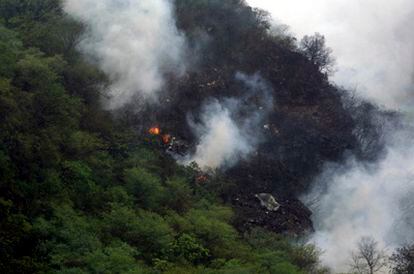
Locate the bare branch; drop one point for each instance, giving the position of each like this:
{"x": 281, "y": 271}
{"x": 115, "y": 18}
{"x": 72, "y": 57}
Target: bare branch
{"x": 368, "y": 258}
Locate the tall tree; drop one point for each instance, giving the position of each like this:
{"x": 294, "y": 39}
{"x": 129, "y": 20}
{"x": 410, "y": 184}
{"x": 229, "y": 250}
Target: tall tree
{"x": 314, "y": 47}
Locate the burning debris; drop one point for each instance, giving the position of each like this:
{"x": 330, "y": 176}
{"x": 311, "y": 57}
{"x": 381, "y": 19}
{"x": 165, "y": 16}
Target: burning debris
{"x": 166, "y": 138}
{"x": 201, "y": 179}
{"x": 154, "y": 131}
{"x": 169, "y": 142}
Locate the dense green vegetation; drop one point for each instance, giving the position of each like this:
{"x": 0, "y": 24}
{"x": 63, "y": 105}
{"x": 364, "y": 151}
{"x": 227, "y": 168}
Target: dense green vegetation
{"x": 82, "y": 193}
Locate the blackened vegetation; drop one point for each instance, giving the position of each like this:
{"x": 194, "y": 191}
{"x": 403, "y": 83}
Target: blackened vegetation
{"x": 292, "y": 218}
{"x": 312, "y": 121}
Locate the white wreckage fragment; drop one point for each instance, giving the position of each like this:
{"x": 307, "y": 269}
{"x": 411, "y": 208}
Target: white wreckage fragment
{"x": 268, "y": 201}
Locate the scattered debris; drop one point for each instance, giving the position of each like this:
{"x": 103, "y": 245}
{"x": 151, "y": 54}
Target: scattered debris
{"x": 268, "y": 201}
{"x": 176, "y": 146}
{"x": 292, "y": 217}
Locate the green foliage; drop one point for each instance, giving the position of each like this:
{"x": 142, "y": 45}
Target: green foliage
{"x": 180, "y": 195}
{"x": 35, "y": 73}
{"x": 147, "y": 231}
{"x": 187, "y": 248}
{"x": 31, "y": 9}
{"x": 83, "y": 143}
{"x": 303, "y": 257}
{"x": 10, "y": 47}
{"x": 145, "y": 186}
{"x": 85, "y": 193}
{"x": 116, "y": 259}
{"x": 73, "y": 246}
{"x": 212, "y": 227}
{"x": 14, "y": 228}
{"x": 69, "y": 237}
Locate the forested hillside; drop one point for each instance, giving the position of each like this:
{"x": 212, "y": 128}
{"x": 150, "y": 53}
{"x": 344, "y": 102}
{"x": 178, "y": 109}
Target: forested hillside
{"x": 84, "y": 189}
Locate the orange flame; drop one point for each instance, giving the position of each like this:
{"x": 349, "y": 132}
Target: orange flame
{"x": 154, "y": 131}
{"x": 201, "y": 179}
{"x": 166, "y": 138}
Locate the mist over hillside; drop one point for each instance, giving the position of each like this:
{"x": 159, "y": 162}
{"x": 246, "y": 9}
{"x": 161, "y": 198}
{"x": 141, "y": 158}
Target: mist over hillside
{"x": 371, "y": 41}
{"x": 189, "y": 136}
{"x": 373, "y": 45}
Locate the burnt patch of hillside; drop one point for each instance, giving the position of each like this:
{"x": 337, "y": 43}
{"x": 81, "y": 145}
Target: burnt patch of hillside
{"x": 309, "y": 124}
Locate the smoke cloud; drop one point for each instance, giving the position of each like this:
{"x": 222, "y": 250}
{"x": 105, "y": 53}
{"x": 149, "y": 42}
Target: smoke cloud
{"x": 359, "y": 199}
{"x": 230, "y": 129}
{"x": 135, "y": 42}
{"x": 221, "y": 142}
{"x": 372, "y": 42}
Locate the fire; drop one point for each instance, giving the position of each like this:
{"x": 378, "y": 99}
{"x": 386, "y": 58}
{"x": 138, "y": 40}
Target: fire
{"x": 201, "y": 179}
{"x": 154, "y": 131}
{"x": 166, "y": 138}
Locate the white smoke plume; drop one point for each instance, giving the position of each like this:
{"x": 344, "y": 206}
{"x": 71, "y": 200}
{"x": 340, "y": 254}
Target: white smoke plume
{"x": 221, "y": 142}
{"x": 361, "y": 200}
{"x": 372, "y": 41}
{"x": 230, "y": 129}
{"x": 135, "y": 42}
